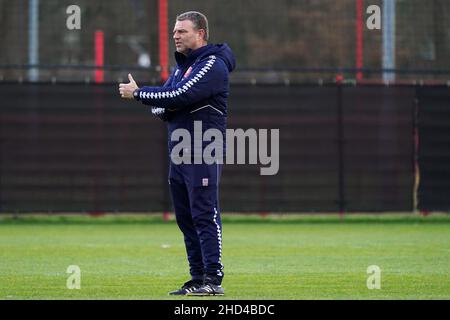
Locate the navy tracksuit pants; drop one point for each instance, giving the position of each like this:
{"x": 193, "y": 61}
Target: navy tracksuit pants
{"x": 195, "y": 194}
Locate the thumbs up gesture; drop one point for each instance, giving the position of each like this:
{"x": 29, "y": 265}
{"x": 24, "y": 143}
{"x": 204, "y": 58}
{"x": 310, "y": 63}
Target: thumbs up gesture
{"x": 126, "y": 89}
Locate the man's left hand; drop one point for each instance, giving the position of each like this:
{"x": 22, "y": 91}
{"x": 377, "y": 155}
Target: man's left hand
{"x": 126, "y": 89}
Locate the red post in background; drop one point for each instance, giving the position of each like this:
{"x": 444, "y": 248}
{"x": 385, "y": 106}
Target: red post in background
{"x": 163, "y": 40}
{"x": 163, "y": 54}
{"x": 96, "y": 187}
{"x": 359, "y": 38}
{"x": 99, "y": 56}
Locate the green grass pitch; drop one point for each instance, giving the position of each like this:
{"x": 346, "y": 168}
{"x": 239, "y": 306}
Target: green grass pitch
{"x": 302, "y": 257}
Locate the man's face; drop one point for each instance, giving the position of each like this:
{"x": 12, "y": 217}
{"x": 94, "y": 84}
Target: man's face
{"x": 186, "y": 37}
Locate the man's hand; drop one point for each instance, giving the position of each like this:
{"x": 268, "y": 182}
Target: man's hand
{"x": 126, "y": 89}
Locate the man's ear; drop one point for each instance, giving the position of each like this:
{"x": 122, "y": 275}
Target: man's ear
{"x": 201, "y": 33}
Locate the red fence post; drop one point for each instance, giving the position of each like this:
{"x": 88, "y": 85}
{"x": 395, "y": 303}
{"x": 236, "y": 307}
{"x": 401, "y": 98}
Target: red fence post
{"x": 163, "y": 40}
{"x": 99, "y": 56}
{"x": 359, "y": 38}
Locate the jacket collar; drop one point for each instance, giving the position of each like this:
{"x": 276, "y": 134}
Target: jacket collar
{"x": 189, "y": 59}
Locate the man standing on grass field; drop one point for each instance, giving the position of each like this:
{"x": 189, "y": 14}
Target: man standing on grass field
{"x": 197, "y": 90}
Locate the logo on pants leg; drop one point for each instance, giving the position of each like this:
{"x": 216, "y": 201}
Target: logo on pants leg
{"x": 205, "y": 182}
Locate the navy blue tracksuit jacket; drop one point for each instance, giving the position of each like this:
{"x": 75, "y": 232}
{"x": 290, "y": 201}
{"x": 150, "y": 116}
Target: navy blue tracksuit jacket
{"x": 197, "y": 90}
